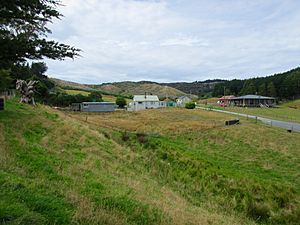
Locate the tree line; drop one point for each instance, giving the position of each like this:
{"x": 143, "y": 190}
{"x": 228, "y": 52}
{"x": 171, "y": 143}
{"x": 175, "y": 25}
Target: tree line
{"x": 281, "y": 86}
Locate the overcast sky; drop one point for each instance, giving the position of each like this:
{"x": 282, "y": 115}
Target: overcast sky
{"x": 177, "y": 40}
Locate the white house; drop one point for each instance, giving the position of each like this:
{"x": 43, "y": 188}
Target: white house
{"x": 182, "y": 100}
{"x": 145, "y": 102}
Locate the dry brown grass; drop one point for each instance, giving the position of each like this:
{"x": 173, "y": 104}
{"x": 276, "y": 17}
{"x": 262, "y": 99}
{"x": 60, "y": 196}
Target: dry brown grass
{"x": 138, "y": 88}
{"x": 165, "y": 121}
{"x": 209, "y": 101}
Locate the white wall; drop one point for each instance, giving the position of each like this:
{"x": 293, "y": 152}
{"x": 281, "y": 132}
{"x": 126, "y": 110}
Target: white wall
{"x": 135, "y": 106}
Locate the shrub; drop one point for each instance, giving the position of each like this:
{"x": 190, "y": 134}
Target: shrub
{"x": 63, "y": 99}
{"x": 125, "y": 136}
{"x": 121, "y": 101}
{"x": 95, "y": 96}
{"x": 190, "y": 105}
{"x": 142, "y": 138}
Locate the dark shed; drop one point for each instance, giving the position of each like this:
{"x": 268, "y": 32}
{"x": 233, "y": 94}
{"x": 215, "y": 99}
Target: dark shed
{"x": 97, "y": 107}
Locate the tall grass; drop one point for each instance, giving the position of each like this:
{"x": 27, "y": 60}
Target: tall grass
{"x": 58, "y": 170}
{"x": 249, "y": 169}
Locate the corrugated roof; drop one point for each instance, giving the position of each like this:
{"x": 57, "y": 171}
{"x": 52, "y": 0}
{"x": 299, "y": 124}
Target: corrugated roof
{"x": 144, "y": 98}
{"x": 99, "y": 103}
{"x": 252, "y": 97}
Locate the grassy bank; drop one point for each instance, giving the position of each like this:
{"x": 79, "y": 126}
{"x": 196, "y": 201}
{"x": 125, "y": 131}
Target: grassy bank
{"x": 249, "y": 169}
{"x": 56, "y": 169}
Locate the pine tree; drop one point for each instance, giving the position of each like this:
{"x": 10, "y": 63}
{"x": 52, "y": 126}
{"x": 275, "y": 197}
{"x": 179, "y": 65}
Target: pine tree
{"x": 5, "y": 79}
{"x": 248, "y": 88}
{"x": 271, "y": 90}
{"x": 262, "y": 89}
{"x": 23, "y": 32}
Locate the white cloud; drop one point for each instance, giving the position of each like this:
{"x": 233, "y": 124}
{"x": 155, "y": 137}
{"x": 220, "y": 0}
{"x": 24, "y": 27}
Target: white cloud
{"x": 176, "y": 40}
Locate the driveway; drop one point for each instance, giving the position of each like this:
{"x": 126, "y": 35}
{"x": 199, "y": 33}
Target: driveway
{"x": 277, "y": 123}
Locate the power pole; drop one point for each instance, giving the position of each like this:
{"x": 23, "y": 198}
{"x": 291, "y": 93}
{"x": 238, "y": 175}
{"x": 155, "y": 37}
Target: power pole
{"x": 224, "y": 97}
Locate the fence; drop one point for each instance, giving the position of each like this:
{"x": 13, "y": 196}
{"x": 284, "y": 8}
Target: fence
{"x": 8, "y": 94}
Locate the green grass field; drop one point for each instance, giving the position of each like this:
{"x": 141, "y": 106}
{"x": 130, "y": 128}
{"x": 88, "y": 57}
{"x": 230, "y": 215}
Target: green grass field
{"x": 287, "y": 112}
{"x": 106, "y": 98}
{"x": 169, "y": 166}
{"x": 77, "y": 92}
{"x": 292, "y": 104}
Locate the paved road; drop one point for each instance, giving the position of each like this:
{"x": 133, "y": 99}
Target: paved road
{"x": 272, "y": 122}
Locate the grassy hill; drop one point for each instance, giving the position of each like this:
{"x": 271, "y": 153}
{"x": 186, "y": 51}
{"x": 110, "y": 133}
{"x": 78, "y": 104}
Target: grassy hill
{"x": 73, "y": 88}
{"x": 126, "y": 88}
{"x": 70, "y": 85}
{"x": 171, "y": 166}
{"x": 135, "y": 88}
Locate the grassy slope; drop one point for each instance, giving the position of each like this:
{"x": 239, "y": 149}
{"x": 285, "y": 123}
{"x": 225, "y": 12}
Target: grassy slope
{"x": 58, "y": 170}
{"x": 77, "y": 92}
{"x": 123, "y": 88}
{"x": 106, "y": 98}
{"x": 64, "y": 83}
{"x": 134, "y": 88}
{"x": 292, "y": 104}
{"x": 251, "y": 168}
{"x": 288, "y": 111}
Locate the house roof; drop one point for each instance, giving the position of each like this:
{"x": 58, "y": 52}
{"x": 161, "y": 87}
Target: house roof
{"x": 183, "y": 97}
{"x": 227, "y": 97}
{"x": 144, "y": 98}
{"x": 252, "y": 97}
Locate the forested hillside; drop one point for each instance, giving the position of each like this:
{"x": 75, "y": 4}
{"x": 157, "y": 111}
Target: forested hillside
{"x": 199, "y": 88}
{"x": 282, "y": 86}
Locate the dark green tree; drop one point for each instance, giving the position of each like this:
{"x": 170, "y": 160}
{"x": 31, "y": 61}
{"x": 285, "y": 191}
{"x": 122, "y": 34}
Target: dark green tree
{"x": 190, "y": 105}
{"x": 121, "y": 101}
{"x": 262, "y": 89}
{"x": 5, "y": 79}
{"x": 248, "y": 88}
{"x": 23, "y": 32}
{"x": 39, "y": 69}
{"x": 95, "y": 96}
{"x": 271, "y": 90}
